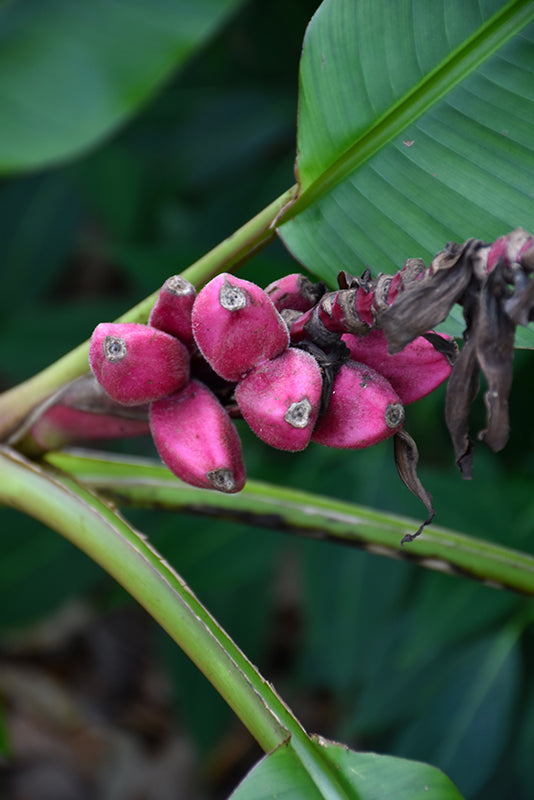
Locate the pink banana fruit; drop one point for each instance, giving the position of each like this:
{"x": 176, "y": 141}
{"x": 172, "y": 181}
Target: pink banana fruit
{"x": 136, "y": 364}
{"x": 62, "y": 425}
{"x": 364, "y": 409}
{"x": 294, "y": 291}
{"x": 197, "y": 440}
{"x": 82, "y": 411}
{"x": 280, "y": 398}
{"x": 172, "y": 310}
{"x": 334, "y": 314}
{"x": 413, "y": 372}
{"x": 236, "y": 326}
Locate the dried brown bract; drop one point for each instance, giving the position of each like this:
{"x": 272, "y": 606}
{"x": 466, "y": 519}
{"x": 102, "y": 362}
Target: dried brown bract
{"x": 493, "y": 284}
{"x": 406, "y": 460}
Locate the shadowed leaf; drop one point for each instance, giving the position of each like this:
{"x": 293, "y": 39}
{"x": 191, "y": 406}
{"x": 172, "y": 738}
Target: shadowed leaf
{"x": 70, "y": 73}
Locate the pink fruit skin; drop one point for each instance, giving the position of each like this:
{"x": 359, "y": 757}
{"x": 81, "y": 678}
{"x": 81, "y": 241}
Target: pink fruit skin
{"x": 62, "y": 425}
{"x": 155, "y": 363}
{"x": 334, "y": 318}
{"x": 266, "y": 395}
{"x": 413, "y": 373}
{"x": 356, "y": 415}
{"x": 298, "y": 330}
{"x": 497, "y": 251}
{"x": 510, "y": 248}
{"x": 287, "y": 292}
{"x": 331, "y": 315}
{"x": 234, "y": 341}
{"x": 172, "y": 311}
{"x": 364, "y": 303}
{"x": 195, "y": 437}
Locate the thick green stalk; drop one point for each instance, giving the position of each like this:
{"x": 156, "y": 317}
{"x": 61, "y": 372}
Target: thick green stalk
{"x": 17, "y": 403}
{"x": 148, "y": 484}
{"x": 94, "y": 527}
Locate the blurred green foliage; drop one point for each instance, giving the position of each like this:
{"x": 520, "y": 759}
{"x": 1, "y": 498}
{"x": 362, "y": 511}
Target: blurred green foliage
{"x": 383, "y": 655}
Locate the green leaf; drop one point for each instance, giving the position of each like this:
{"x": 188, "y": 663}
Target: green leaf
{"x": 418, "y": 640}
{"x": 33, "y": 555}
{"x": 39, "y": 220}
{"x": 71, "y": 73}
{"x": 524, "y": 338}
{"x": 373, "y": 777}
{"x": 344, "y": 636}
{"x": 464, "y": 727}
{"x": 414, "y": 129}
{"x": 522, "y": 758}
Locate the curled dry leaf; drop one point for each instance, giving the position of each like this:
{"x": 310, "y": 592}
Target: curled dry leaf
{"x": 406, "y": 459}
{"x": 493, "y": 284}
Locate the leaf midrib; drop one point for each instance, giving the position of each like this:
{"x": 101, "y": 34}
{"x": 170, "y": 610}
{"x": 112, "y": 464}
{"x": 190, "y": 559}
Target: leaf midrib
{"x": 460, "y": 63}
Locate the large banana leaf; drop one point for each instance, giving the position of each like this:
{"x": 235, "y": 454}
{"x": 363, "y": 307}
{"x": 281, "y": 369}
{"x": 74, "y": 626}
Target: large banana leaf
{"x": 415, "y": 128}
{"x": 71, "y": 72}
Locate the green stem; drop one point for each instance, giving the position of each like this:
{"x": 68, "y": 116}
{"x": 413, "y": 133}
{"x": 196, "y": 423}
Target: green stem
{"x": 94, "y": 527}
{"x": 145, "y": 483}
{"x": 17, "y": 403}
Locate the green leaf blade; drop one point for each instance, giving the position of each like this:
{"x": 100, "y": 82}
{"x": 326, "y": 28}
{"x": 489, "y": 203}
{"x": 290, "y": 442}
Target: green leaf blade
{"x": 449, "y": 158}
{"x": 367, "y": 776}
{"x": 71, "y": 73}
{"x": 478, "y": 694}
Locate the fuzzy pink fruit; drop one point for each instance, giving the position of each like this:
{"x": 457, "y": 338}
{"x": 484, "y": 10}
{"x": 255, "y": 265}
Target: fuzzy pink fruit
{"x": 172, "y": 310}
{"x": 413, "y": 373}
{"x": 497, "y": 251}
{"x": 136, "y": 364}
{"x": 364, "y": 305}
{"x": 62, "y": 425}
{"x": 334, "y": 314}
{"x": 364, "y": 409}
{"x": 236, "y": 326}
{"x": 295, "y": 291}
{"x": 280, "y": 399}
{"x": 197, "y": 440}
{"x": 82, "y": 411}
{"x": 509, "y": 248}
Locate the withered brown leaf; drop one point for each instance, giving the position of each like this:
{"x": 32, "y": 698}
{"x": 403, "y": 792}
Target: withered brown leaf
{"x": 425, "y": 303}
{"x": 407, "y": 459}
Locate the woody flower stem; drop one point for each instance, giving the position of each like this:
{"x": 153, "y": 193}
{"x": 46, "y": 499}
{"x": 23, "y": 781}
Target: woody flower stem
{"x": 94, "y": 527}
{"x": 17, "y": 403}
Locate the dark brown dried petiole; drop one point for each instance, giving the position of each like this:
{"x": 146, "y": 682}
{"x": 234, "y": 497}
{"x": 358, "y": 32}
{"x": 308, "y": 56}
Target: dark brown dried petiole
{"x": 407, "y": 459}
